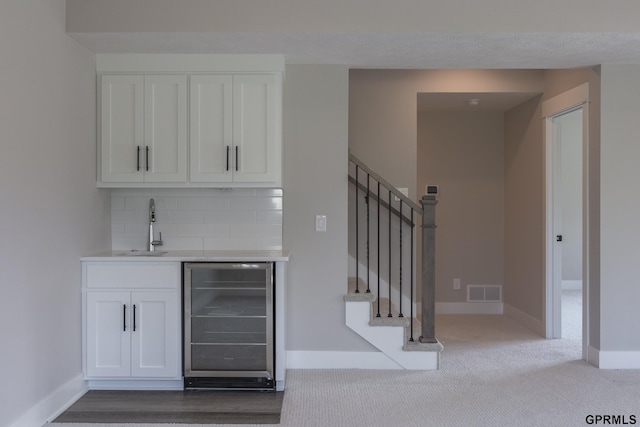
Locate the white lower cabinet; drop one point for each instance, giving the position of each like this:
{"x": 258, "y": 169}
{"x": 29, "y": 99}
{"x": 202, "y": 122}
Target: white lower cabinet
{"x": 129, "y": 334}
{"x": 132, "y": 333}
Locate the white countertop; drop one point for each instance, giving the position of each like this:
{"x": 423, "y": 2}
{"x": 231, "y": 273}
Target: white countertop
{"x": 195, "y": 255}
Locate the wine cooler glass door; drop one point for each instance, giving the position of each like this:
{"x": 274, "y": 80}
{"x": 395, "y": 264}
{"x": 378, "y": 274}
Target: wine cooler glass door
{"x": 228, "y": 320}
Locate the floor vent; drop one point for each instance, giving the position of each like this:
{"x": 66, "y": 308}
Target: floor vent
{"x": 484, "y": 293}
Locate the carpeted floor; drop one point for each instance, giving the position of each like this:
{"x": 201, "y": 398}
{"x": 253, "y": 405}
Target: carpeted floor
{"x": 493, "y": 373}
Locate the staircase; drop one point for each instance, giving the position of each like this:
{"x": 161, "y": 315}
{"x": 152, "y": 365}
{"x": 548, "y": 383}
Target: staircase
{"x": 381, "y": 301}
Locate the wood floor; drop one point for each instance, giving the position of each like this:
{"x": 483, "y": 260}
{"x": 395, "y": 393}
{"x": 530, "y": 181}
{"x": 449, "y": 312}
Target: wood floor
{"x": 187, "y": 407}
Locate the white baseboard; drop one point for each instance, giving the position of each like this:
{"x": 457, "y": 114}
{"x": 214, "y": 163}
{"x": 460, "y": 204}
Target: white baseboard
{"x": 469, "y": 308}
{"x": 525, "y": 320}
{"x": 615, "y": 359}
{"x": 593, "y": 356}
{"x": 339, "y": 360}
{"x": 571, "y": 285}
{"x": 54, "y": 404}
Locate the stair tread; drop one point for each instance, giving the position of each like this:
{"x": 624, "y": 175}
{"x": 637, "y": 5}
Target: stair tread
{"x": 395, "y": 320}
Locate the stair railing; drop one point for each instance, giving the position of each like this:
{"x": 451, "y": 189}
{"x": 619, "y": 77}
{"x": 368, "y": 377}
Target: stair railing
{"x": 383, "y": 199}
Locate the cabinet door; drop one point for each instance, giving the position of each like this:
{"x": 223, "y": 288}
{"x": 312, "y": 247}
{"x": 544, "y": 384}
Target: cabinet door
{"x": 122, "y": 127}
{"x": 155, "y": 335}
{"x": 257, "y": 151}
{"x": 108, "y": 334}
{"x": 211, "y": 128}
{"x": 165, "y": 118}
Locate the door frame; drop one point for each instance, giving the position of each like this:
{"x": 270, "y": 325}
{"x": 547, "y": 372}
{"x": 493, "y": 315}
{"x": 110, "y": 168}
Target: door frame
{"x": 570, "y": 100}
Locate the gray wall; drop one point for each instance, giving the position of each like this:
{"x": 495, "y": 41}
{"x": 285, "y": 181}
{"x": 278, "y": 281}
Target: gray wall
{"x": 620, "y": 208}
{"x": 462, "y": 153}
{"x": 383, "y": 132}
{"x": 524, "y": 272}
{"x": 524, "y": 199}
{"x": 51, "y": 212}
{"x": 315, "y": 182}
{"x": 383, "y": 118}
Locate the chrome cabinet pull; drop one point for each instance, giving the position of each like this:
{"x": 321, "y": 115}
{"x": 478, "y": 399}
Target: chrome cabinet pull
{"x": 236, "y": 158}
{"x": 228, "y": 148}
{"x": 138, "y": 158}
{"x": 134, "y": 317}
{"x": 147, "y": 158}
{"x": 124, "y": 317}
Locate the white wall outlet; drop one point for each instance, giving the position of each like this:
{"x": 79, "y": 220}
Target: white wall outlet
{"x": 456, "y": 284}
{"x": 321, "y": 223}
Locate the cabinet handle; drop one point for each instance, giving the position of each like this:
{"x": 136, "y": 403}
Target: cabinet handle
{"x": 138, "y": 158}
{"x": 228, "y": 148}
{"x": 147, "y": 158}
{"x": 236, "y": 158}
{"x": 124, "y": 317}
{"x": 134, "y": 317}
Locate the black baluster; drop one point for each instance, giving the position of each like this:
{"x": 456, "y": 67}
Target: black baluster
{"x": 357, "y": 234}
{"x": 412, "y": 302}
{"x": 400, "y": 283}
{"x": 368, "y": 230}
{"x": 389, "y": 310}
{"x": 378, "y": 243}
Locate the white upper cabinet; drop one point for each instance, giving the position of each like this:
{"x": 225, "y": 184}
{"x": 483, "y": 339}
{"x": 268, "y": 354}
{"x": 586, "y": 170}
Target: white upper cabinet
{"x": 236, "y": 129}
{"x": 257, "y": 129}
{"x": 143, "y": 128}
{"x": 190, "y": 120}
{"x": 165, "y": 132}
{"x": 122, "y": 127}
{"x": 211, "y": 128}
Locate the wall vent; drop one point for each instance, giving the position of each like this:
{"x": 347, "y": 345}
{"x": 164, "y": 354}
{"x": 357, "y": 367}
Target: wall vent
{"x": 484, "y": 293}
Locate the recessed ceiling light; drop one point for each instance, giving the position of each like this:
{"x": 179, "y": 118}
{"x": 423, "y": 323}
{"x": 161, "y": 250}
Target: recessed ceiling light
{"x": 473, "y": 102}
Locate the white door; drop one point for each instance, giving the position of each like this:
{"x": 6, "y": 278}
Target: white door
{"x": 165, "y": 133}
{"x": 567, "y": 217}
{"x": 155, "y": 335}
{"x": 211, "y": 128}
{"x": 122, "y": 127}
{"x": 560, "y": 231}
{"x": 108, "y": 334}
{"x": 256, "y": 128}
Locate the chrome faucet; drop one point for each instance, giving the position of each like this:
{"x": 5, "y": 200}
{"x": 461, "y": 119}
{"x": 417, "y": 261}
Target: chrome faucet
{"x": 152, "y": 219}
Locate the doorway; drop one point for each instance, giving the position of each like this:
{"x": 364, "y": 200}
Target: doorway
{"x": 567, "y": 223}
{"x": 566, "y": 143}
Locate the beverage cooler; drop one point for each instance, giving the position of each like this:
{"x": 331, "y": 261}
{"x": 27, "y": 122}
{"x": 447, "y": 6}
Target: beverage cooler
{"x": 229, "y": 326}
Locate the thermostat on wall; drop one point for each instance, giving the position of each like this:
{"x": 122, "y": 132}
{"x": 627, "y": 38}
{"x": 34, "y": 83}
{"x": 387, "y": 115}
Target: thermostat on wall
{"x": 431, "y": 190}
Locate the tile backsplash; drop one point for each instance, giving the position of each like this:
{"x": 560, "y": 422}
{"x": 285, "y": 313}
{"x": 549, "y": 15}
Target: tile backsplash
{"x": 208, "y": 219}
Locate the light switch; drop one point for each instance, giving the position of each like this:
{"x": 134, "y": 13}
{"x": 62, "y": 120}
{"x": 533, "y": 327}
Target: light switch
{"x": 321, "y": 223}
{"x": 404, "y": 191}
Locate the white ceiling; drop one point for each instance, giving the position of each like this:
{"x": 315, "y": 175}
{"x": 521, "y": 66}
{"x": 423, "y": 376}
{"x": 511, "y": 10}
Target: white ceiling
{"x": 390, "y": 50}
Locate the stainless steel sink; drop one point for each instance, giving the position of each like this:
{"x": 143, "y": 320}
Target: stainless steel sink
{"x": 136, "y": 252}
